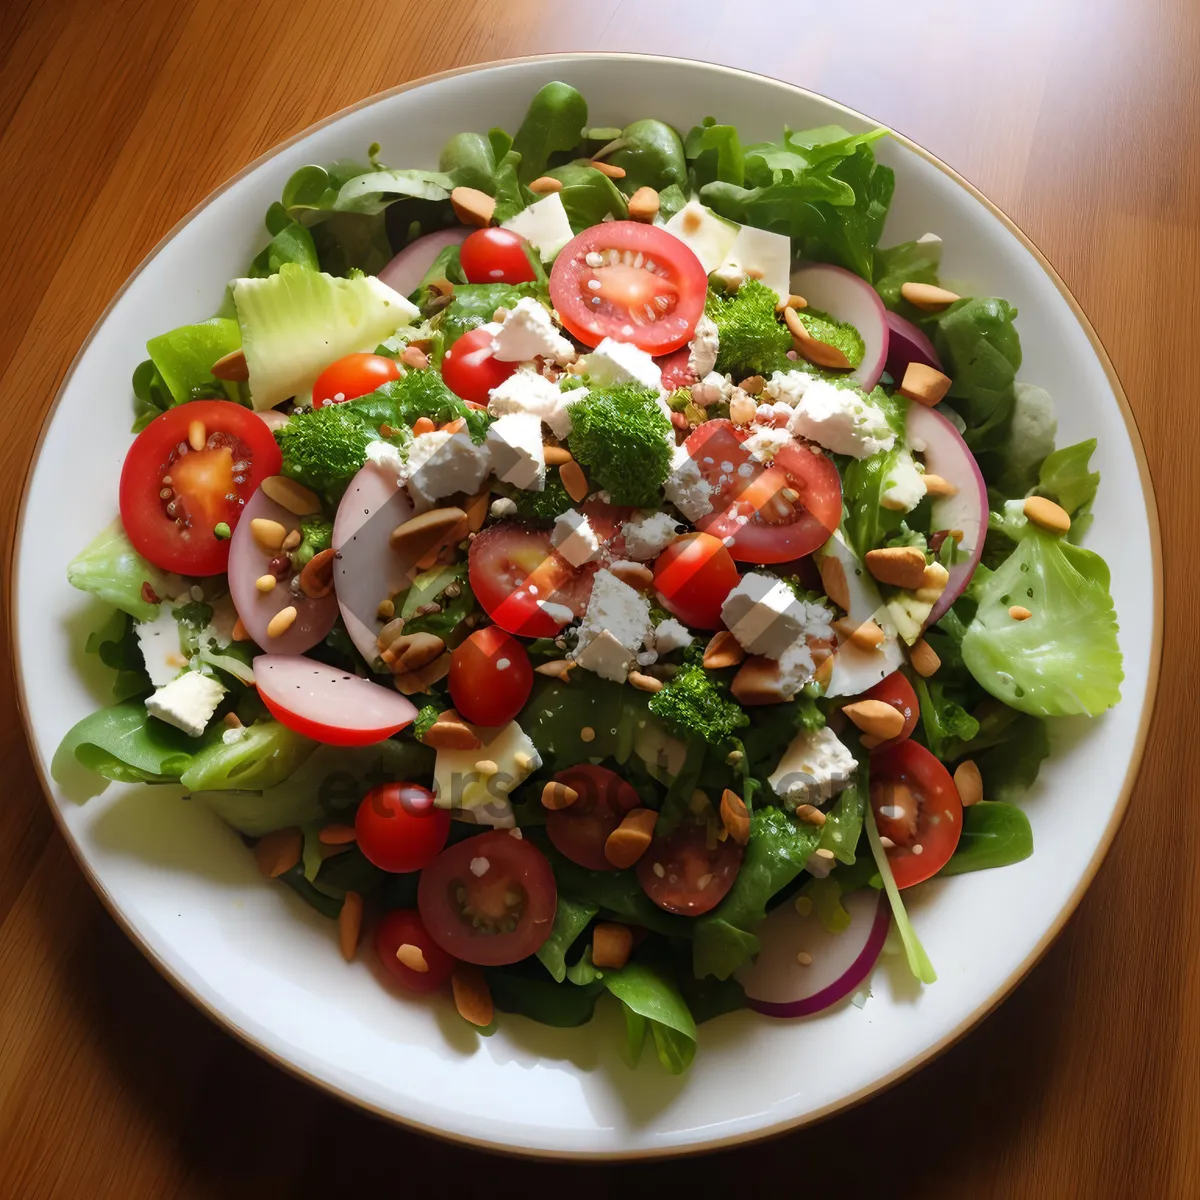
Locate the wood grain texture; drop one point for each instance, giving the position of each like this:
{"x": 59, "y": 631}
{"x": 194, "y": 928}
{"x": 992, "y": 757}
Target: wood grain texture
{"x": 1079, "y": 117}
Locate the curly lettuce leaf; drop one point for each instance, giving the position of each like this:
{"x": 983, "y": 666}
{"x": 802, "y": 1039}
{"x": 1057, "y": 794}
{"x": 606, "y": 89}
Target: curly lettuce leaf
{"x": 1062, "y": 660}
{"x": 908, "y": 262}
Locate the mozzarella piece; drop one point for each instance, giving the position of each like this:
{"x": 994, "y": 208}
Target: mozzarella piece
{"x": 188, "y": 702}
{"x": 481, "y": 797}
{"x": 441, "y": 463}
{"x": 527, "y": 332}
{"x": 842, "y": 420}
{"x": 517, "y": 453}
{"x": 526, "y": 390}
{"x": 706, "y": 235}
{"x": 544, "y": 224}
{"x": 765, "y": 442}
{"x": 574, "y": 538}
{"x": 788, "y": 386}
{"x": 161, "y": 650}
{"x": 813, "y": 769}
{"x": 758, "y": 254}
{"x": 649, "y": 534}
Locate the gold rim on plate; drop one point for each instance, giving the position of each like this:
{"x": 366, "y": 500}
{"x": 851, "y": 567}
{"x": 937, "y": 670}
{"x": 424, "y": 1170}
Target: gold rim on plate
{"x": 780, "y": 1127}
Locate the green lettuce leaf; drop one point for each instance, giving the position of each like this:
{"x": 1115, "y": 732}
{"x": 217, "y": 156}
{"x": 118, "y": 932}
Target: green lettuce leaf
{"x": 909, "y": 262}
{"x": 570, "y": 920}
{"x": 993, "y": 835}
{"x": 1064, "y": 477}
{"x": 553, "y": 124}
{"x": 126, "y": 745}
{"x": 184, "y": 356}
{"x": 588, "y": 195}
{"x": 918, "y": 960}
{"x": 1030, "y": 439}
{"x": 714, "y": 154}
{"x": 290, "y": 242}
{"x": 113, "y": 570}
{"x": 651, "y": 156}
{"x": 656, "y": 1004}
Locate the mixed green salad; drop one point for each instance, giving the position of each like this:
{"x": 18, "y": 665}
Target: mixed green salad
{"x": 598, "y": 566}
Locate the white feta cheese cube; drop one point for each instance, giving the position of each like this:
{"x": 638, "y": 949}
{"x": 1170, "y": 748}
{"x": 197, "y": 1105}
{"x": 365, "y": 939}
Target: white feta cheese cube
{"x": 544, "y": 224}
{"x": 841, "y": 419}
{"x": 574, "y": 538}
{"x": 671, "y": 635}
{"x": 605, "y": 656}
{"x": 813, "y": 769}
{"x": 687, "y": 488}
{"x": 518, "y": 455}
{"x": 188, "y": 702}
{"x": 159, "y": 643}
{"x": 528, "y": 332}
{"x": 525, "y": 390}
{"x": 441, "y": 463}
{"x": 764, "y": 615}
{"x": 759, "y": 254}
{"x": 387, "y": 458}
{"x": 649, "y": 534}
{"x": 903, "y": 485}
{"x": 706, "y": 235}
{"x": 702, "y": 353}
{"x": 788, "y": 386}
{"x": 482, "y": 796}
{"x": 615, "y": 362}
{"x": 616, "y": 613}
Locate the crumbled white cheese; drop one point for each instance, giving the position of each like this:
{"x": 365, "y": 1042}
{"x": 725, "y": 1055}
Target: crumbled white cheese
{"x": 441, "y": 463}
{"x": 159, "y": 643}
{"x": 687, "y": 488}
{"x": 527, "y": 332}
{"x": 796, "y": 668}
{"x": 702, "y": 353}
{"x": 841, "y": 419}
{"x": 649, "y": 534}
{"x": 765, "y": 443}
{"x": 614, "y": 362}
{"x": 814, "y": 768}
{"x": 387, "y": 458}
{"x": 502, "y": 506}
{"x": 574, "y": 538}
{"x": 525, "y": 390}
{"x": 605, "y": 656}
{"x": 788, "y": 386}
{"x": 518, "y": 455}
{"x": 544, "y": 224}
{"x": 188, "y": 702}
{"x": 618, "y": 617}
{"x": 766, "y": 617}
{"x": 670, "y": 635}
{"x": 903, "y": 485}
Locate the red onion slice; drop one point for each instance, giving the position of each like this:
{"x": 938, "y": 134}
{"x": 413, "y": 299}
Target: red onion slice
{"x": 846, "y": 297}
{"x": 408, "y": 268}
{"x": 908, "y": 343}
{"x": 778, "y": 985}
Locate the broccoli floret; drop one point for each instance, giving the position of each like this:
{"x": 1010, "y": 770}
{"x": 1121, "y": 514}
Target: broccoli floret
{"x": 623, "y": 439}
{"x": 317, "y": 535}
{"x": 425, "y": 718}
{"x": 545, "y": 505}
{"x": 399, "y": 402}
{"x": 752, "y": 341}
{"x": 696, "y": 704}
{"x": 324, "y": 448}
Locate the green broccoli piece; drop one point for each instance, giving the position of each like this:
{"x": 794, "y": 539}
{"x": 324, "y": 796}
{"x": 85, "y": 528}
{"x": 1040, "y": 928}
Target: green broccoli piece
{"x": 623, "y": 439}
{"x": 324, "y": 448}
{"x": 425, "y": 718}
{"x": 399, "y": 402}
{"x": 316, "y": 535}
{"x": 751, "y": 338}
{"x": 696, "y": 704}
{"x": 545, "y": 505}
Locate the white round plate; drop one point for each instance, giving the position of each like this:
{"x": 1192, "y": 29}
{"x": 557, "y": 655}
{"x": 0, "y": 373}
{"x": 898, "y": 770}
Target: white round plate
{"x": 264, "y": 965}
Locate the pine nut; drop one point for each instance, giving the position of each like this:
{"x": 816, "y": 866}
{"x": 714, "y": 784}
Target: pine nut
{"x": 865, "y": 634}
{"x": 935, "y": 485}
{"x": 627, "y": 843}
{"x": 545, "y": 184}
{"x": 558, "y": 668}
{"x": 197, "y": 435}
{"x": 924, "y": 658}
{"x": 281, "y": 622}
{"x": 833, "y": 580}
{"x": 927, "y": 296}
{"x": 556, "y": 795}
{"x": 609, "y": 169}
{"x": 292, "y": 541}
{"x": 969, "y": 782}
{"x": 1050, "y": 516}
{"x": 472, "y": 207}
{"x": 645, "y": 683}
{"x": 810, "y": 815}
{"x": 901, "y": 566}
{"x": 472, "y": 997}
{"x": 278, "y": 851}
{"x": 924, "y": 384}
{"x": 293, "y": 496}
{"x": 574, "y": 480}
{"x": 265, "y": 583}
{"x": 643, "y": 204}
{"x": 412, "y": 957}
{"x": 611, "y": 945}
{"x": 1019, "y": 612}
{"x": 268, "y": 534}
{"x": 423, "y": 425}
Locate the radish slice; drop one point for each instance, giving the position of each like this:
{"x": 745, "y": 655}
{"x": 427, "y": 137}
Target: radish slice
{"x": 273, "y": 419}
{"x": 947, "y": 455}
{"x": 408, "y": 268}
{"x": 777, "y": 985}
{"x": 367, "y": 570}
{"x": 248, "y": 562}
{"x": 907, "y": 343}
{"x": 847, "y": 298}
{"x": 328, "y": 704}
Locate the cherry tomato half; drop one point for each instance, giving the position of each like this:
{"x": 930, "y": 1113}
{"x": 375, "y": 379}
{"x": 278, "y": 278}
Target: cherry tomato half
{"x": 773, "y": 513}
{"x": 490, "y": 677}
{"x": 173, "y": 497}
{"x": 898, "y": 692}
{"x": 489, "y": 899}
{"x": 692, "y": 576}
{"x": 496, "y": 256}
{"x": 682, "y": 875}
{"x": 399, "y": 828}
{"x": 651, "y": 287}
{"x": 917, "y": 806}
{"x": 404, "y": 928}
{"x": 469, "y": 368}
{"x": 675, "y": 370}
{"x": 581, "y": 830}
{"x": 353, "y": 376}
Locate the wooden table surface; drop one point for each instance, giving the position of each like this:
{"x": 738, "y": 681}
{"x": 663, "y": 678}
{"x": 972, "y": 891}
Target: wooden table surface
{"x": 1079, "y": 117}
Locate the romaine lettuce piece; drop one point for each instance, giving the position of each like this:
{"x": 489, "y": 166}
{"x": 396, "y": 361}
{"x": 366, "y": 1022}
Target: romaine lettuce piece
{"x": 113, "y": 570}
{"x": 296, "y": 322}
{"x": 185, "y": 355}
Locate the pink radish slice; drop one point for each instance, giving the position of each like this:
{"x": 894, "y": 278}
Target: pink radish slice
{"x": 328, "y": 704}
{"x": 273, "y": 420}
{"x": 777, "y": 985}
{"x": 907, "y": 343}
{"x": 946, "y": 454}
{"x": 408, "y": 268}
{"x": 367, "y": 570}
{"x": 847, "y": 298}
{"x": 248, "y": 562}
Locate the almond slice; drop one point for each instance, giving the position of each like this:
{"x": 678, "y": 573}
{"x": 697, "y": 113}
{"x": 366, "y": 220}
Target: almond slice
{"x": 609, "y": 169}
{"x": 543, "y": 185}
{"x": 865, "y": 634}
{"x": 231, "y": 367}
{"x": 969, "y": 782}
{"x": 935, "y": 485}
{"x": 278, "y": 851}
{"x": 337, "y": 835}
{"x": 555, "y": 456}
{"x": 557, "y": 668}
{"x": 817, "y": 352}
{"x": 412, "y": 651}
{"x": 810, "y": 815}
{"x": 901, "y": 566}
{"x": 557, "y": 795}
{"x": 316, "y": 576}
{"x": 723, "y": 650}
{"x": 627, "y": 843}
{"x": 759, "y": 681}
{"x": 428, "y": 532}
{"x": 450, "y": 732}
{"x": 635, "y": 574}
{"x": 924, "y": 384}
{"x": 924, "y": 658}
{"x": 574, "y": 480}
{"x": 833, "y": 580}
{"x": 643, "y": 204}
{"x": 927, "y": 296}
{"x": 645, "y": 683}
{"x": 735, "y": 817}
{"x": 472, "y": 207}
{"x": 472, "y": 996}
{"x": 876, "y": 718}
{"x": 295, "y": 497}
{"x": 350, "y": 920}
{"x": 611, "y": 945}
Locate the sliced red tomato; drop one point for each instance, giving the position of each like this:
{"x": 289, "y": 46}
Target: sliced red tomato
{"x": 581, "y": 830}
{"x": 523, "y": 583}
{"x": 898, "y": 692}
{"x": 399, "y": 829}
{"x": 648, "y": 287}
{"x": 173, "y": 498}
{"x": 469, "y": 368}
{"x": 675, "y": 370}
{"x": 353, "y": 376}
{"x": 489, "y": 899}
{"x": 496, "y": 255}
{"x": 684, "y": 875}
{"x": 765, "y": 513}
{"x": 692, "y": 576}
{"x": 917, "y": 806}
{"x": 403, "y": 928}
{"x": 490, "y": 677}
